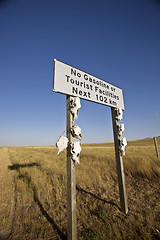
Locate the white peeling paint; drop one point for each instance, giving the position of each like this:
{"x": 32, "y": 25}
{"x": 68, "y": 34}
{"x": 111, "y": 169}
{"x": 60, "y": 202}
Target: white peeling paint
{"x": 76, "y": 132}
{"x": 75, "y": 106}
{"x": 62, "y": 144}
{"x": 123, "y": 144}
{"x": 120, "y": 129}
{"x": 75, "y": 151}
{"x": 119, "y": 114}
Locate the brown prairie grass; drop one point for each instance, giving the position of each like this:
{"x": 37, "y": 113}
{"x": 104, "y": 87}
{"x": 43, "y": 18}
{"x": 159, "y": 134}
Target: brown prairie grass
{"x": 39, "y": 193}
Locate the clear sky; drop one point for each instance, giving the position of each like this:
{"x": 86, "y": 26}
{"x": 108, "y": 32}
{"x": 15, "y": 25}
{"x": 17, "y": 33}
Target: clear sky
{"x": 117, "y": 41}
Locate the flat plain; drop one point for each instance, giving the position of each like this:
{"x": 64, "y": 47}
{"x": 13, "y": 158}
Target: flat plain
{"x": 33, "y": 201}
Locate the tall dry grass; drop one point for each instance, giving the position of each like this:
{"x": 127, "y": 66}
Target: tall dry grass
{"x": 40, "y": 193}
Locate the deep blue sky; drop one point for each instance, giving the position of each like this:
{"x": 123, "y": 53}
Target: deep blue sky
{"x": 117, "y": 41}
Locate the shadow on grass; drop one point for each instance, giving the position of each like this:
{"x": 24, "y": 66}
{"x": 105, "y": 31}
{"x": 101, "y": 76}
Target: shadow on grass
{"x": 96, "y": 197}
{"x": 46, "y": 215}
{"x": 18, "y": 166}
{"x": 27, "y": 179}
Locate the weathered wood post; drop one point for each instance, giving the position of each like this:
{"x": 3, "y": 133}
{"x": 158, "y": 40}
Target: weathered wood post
{"x": 156, "y": 147}
{"x": 119, "y": 164}
{"x": 71, "y": 179}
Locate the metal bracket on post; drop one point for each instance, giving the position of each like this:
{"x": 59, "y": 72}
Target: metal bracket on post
{"x": 119, "y": 164}
{"x": 71, "y": 179}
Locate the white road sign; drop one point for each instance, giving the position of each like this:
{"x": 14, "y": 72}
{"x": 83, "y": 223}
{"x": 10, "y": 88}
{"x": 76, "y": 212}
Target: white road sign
{"x": 72, "y": 81}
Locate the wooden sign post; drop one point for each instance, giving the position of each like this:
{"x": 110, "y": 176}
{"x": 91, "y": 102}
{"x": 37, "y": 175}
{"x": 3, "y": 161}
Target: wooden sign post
{"x": 119, "y": 164}
{"x": 71, "y": 179}
{"x": 156, "y": 147}
{"x": 74, "y": 82}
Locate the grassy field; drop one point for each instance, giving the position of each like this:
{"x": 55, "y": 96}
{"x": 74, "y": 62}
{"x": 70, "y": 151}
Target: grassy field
{"x": 33, "y": 193}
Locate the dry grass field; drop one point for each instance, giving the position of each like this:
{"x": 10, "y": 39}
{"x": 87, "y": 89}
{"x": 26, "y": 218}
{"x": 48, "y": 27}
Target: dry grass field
{"x": 33, "y": 193}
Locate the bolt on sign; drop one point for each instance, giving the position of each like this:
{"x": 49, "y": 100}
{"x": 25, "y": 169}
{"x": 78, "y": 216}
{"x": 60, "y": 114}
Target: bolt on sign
{"x": 74, "y": 82}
